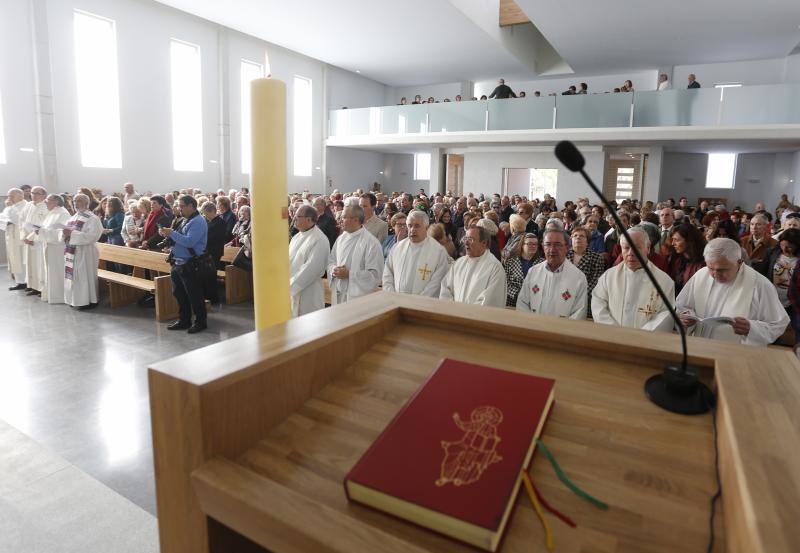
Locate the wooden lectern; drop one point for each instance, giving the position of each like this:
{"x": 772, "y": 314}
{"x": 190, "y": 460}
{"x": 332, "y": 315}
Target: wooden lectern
{"x": 253, "y": 436}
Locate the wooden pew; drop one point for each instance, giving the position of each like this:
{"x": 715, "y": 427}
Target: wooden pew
{"x": 238, "y": 282}
{"x": 126, "y": 289}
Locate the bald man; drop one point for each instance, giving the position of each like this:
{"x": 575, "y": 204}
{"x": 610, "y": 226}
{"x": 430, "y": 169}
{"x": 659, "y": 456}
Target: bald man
{"x": 308, "y": 258}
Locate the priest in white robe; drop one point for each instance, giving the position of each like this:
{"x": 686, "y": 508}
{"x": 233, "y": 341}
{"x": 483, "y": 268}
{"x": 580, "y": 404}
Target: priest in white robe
{"x": 33, "y": 217}
{"x": 555, "y": 287}
{"x": 726, "y": 287}
{"x": 355, "y": 264}
{"x": 624, "y": 295}
{"x": 53, "y": 249}
{"x": 478, "y": 277}
{"x": 12, "y": 214}
{"x": 81, "y": 255}
{"x": 418, "y": 264}
{"x": 308, "y": 259}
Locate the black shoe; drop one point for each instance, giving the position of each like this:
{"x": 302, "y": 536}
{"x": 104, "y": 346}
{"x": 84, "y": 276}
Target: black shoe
{"x": 178, "y": 325}
{"x": 28, "y": 289}
{"x": 197, "y": 327}
{"x": 22, "y": 286}
{"x": 87, "y": 307}
{"x": 34, "y": 293}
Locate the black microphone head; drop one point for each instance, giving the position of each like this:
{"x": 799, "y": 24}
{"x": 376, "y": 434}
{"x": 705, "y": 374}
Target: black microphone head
{"x": 570, "y": 156}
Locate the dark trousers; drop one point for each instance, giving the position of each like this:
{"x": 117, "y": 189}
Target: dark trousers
{"x": 187, "y": 288}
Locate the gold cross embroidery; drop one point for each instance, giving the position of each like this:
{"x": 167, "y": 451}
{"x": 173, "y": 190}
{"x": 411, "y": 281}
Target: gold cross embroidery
{"x": 424, "y": 271}
{"x": 650, "y": 309}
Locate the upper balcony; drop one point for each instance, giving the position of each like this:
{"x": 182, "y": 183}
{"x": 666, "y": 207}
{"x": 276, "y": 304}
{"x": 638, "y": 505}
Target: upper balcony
{"x": 749, "y": 112}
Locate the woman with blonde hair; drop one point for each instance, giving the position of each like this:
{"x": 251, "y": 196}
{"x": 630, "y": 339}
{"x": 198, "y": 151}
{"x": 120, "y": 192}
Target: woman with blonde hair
{"x": 513, "y": 245}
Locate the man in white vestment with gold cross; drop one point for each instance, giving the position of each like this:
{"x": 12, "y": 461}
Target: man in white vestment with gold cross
{"x": 417, "y": 264}
{"x": 743, "y": 302}
{"x": 624, "y": 295}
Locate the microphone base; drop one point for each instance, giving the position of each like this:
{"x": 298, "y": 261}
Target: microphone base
{"x": 679, "y": 392}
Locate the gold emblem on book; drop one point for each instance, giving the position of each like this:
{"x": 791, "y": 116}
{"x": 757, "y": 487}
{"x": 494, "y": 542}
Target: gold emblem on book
{"x": 465, "y": 460}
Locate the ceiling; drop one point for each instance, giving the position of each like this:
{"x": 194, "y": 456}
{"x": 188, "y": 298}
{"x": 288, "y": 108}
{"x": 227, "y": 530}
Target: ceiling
{"x": 418, "y": 42}
{"x": 618, "y": 35}
{"x": 406, "y": 43}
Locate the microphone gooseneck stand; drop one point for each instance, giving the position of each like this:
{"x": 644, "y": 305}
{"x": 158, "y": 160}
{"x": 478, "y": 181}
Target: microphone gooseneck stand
{"x": 677, "y": 388}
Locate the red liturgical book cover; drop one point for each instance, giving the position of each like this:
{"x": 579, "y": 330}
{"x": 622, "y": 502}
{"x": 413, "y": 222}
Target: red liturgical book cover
{"x": 451, "y": 458}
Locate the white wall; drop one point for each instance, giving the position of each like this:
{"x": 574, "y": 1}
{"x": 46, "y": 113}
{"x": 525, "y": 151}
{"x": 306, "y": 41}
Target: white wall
{"x": 483, "y": 171}
{"x": 347, "y": 89}
{"x": 759, "y": 177}
{"x": 642, "y": 80}
{"x": 16, "y": 93}
{"x": 144, "y": 87}
{"x": 793, "y": 69}
{"x": 795, "y": 176}
{"x": 438, "y": 91}
{"x": 770, "y": 71}
{"x": 518, "y": 182}
{"x": 143, "y": 32}
{"x": 398, "y": 174}
{"x": 349, "y": 169}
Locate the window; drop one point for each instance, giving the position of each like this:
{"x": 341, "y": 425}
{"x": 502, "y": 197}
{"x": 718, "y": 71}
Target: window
{"x": 187, "y": 107}
{"x": 98, "y": 90}
{"x": 248, "y": 71}
{"x": 624, "y": 183}
{"x": 721, "y": 169}
{"x": 2, "y": 140}
{"x": 302, "y": 126}
{"x": 422, "y": 166}
{"x": 543, "y": 181}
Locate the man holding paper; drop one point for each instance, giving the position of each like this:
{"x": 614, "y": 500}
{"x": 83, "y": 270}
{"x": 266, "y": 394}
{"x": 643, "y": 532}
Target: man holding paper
{"x": 81, "y": 255}
{"x": 14, "y": 245}
{"x": 727, "y": 300}
{"x": 53, "y": 249}
{"x": 33, "y": 218}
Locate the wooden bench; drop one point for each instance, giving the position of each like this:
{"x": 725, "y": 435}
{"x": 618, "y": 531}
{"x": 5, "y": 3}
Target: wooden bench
{"x": 238, "y": 282}
{"x": 126, "y": 289}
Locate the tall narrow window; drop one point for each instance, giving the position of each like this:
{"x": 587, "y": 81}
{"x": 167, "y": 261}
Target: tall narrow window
{"x": 422, "y": 166}
{"x": 249, "y": 71}
{"x": 187, "y": 107}
{"x": 2, "y": 139}
{"x": 302, "y": 126}
{"x": 721, "y": 169}
{"x": 98, "y": 90}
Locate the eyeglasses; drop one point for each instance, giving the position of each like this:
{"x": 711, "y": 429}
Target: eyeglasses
{"x": 552, "y": 246}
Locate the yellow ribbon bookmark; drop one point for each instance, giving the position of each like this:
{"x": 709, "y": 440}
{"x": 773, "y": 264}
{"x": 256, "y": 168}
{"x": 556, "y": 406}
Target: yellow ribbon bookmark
{"x": 548, "y": 534}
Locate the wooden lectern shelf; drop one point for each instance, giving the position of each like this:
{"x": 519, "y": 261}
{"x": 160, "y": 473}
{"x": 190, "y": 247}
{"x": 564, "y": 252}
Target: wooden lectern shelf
{"x": 253, "y": 436}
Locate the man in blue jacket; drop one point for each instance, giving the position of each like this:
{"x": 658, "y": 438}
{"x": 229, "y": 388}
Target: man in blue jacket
{"x": 190, "y": 239}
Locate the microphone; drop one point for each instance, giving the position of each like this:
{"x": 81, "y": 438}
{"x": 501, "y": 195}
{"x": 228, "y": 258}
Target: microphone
{"x": 677, "y": 389}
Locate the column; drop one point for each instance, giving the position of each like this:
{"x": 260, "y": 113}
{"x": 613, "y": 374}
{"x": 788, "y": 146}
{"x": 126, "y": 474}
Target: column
{"x": 43, "y": 91}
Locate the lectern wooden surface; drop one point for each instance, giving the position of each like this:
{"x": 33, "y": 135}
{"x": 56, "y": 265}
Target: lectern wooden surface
{"x": 258, "y": 432}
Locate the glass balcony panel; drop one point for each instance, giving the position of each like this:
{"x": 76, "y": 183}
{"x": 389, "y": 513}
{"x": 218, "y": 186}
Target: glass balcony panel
{"x": 670, "y": 108}
{"x": 404, "y": 119}
{"x": 457, "y": 116}
{"x": 761, "y": 105}
{"x": 521, "y": 113}
{"x": 585, "y": 111}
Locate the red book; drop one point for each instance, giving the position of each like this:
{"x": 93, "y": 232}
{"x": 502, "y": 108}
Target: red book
{"x": 451, "y": 459}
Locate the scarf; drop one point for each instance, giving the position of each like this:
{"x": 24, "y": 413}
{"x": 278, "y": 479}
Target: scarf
{"x": 69, "y": 249}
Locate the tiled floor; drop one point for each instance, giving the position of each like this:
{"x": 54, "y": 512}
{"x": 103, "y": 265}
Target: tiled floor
{"x": 76, "y": 382}
{"x": 49, "y": 506}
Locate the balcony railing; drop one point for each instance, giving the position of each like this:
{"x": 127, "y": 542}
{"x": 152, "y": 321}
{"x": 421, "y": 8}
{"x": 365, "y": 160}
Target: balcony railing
{"x": 748, "y": 105}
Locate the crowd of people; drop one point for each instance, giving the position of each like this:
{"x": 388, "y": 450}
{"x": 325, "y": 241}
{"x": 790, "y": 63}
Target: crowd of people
{"x": 731, "y": 274}
{"x": 723, "y": 269}
{"x": 50, "y": 241}
{"x": 503, "y": 91}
